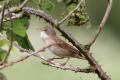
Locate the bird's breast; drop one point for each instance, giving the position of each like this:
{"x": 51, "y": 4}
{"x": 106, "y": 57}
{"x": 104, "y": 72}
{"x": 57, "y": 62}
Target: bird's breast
{"x": 59, "y": 51}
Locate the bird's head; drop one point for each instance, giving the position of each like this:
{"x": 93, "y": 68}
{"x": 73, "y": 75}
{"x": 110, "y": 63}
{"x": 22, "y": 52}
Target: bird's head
{"x": 47, "y": 32}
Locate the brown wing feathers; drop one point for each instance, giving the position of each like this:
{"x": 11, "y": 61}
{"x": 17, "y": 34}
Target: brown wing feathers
{"x": 68, "y": 47}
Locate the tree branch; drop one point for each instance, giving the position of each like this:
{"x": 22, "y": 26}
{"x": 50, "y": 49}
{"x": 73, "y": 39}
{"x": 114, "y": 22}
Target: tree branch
{"x": 25, "y": 57}
{"x": 2, "y": 16}
{"x": 15, "y": 9}
{"x": 56, "y": 64}
{"x": 11, "y": 36}
{"x": 102, "y": 23}
{"x": 85, "y": 70}
{"x": 23, "y": 4}
{"x": 40, "y": 3}
{"x": 16, "y": 16}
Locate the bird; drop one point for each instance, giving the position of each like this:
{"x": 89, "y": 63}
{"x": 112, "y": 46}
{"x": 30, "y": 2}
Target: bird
{"x": 59, "y": 47}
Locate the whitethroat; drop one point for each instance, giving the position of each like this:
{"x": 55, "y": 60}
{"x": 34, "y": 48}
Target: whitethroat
{"x": 59, "y": 48}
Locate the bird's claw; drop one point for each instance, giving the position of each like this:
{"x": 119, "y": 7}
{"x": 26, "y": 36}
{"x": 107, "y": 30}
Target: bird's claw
{"x": 51, "y": 59}
{"x": 63, "y": 64}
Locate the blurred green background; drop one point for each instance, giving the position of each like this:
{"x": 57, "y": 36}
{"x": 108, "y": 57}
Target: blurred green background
{"x": 105, "y": 50}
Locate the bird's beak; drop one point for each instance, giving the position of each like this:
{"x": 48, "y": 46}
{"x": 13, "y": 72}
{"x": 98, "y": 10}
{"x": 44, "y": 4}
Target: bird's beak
{"x": 40, "y": 29}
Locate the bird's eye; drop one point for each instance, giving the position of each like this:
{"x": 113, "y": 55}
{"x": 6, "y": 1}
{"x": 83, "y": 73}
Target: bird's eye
{"x": 46, "y": 30}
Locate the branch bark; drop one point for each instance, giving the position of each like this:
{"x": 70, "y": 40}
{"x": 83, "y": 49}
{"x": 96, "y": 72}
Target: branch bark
{"x": 16, "y": 16}
{"x": 2, "y": 16}
{"x": 92, "y": 41}
{"x": 15, "y": 9}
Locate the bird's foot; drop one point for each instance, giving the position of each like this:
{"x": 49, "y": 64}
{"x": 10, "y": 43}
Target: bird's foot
{"x": 63, "y": 64}
{"x": 50, "y": 59}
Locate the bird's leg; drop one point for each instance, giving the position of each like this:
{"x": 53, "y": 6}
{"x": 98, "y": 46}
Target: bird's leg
{"x": 51, "y": 59}
{"x": 63, "y": 64}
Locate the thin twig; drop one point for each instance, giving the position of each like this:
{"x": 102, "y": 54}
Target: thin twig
{"x": 70, "y": 13}
{"x": 15, "y": 9}
{"x": 56, "y": 64}
{"x": 102, "y": 23}
{"x": 2, "y": 16}
{"x": 39, "y": 13}
{"x": 85, "y": 70}
{"x": 23, "y": 4}
{"x": 24, "y": 58}
{"x": 40, "y": 3}
{"x": 16, "y": 16}
{"x": 11, "y": 37}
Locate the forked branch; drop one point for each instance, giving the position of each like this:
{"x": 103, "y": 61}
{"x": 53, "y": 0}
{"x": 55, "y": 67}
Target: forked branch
{"x": 101, "y": 24}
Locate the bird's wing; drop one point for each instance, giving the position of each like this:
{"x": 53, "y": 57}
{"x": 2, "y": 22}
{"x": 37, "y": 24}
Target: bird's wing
{"x": 64, "y": 45}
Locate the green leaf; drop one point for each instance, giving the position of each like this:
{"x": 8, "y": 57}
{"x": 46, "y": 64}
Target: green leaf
{"x": 20, "y": 35}
{"x": 79, "y": 17}
{"x": 1, "y": 4}
{"x": 71, "y": 7}
{"x": 23, "y": 42}
{"x": 20, "y": 29}
{"x": 19, "y": 26}
{"x": 33, "y": 4}
{"x": 47, "y": 5}
{"x": 15, "y": 2}
{"x": 2, "y": 54}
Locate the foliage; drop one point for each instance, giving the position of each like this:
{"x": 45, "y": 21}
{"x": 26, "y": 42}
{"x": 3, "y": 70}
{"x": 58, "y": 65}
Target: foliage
{"x": 2, "y": 54}
{"x": 80, "y": 16}
{"x": 24, "y": 42}
{"x": 47, "y": 5}
{"x": 3, "y": 42}
{"x": 19, "y": 30}
{"x": 20, "y": 26}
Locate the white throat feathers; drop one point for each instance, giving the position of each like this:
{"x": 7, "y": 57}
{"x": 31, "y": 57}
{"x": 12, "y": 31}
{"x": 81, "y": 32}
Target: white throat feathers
{"x": 44, "y": 35}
